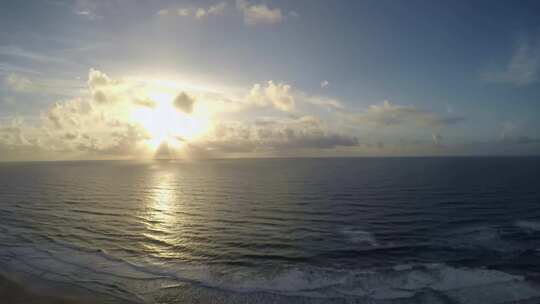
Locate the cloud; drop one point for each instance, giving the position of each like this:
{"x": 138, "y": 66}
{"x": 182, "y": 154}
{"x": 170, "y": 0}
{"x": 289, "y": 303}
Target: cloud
{"x": 278, "y": 95}
{"x": 15, "y": 51}
{"x": 437, "y": 139}
{"x": 184, "y": 103}
{"x": 272, "y": 136}
{"x": 217, "y": 9}
{"x": 523, "y": 67}
{"x": 258, "y": 13}
{"x": 71, "y": 136}
{"x": 325, "y": 102}
{"x": 87, "y": 9}
{"x": 8, "y": 67}
{"x": 163, "y": 12}
{"x": 324, "y": 83}
{"x": 252, "y": 14}
{"x": 389, "y": 114}
{"x": 100, "y": 97}
{"x": 114, "y": 118}
{"x": 197, "y": 12}
{"x": 102, "y": 88}
{"x": 183, "y": 12}
{"x": 18, "y": 82}
{"x": 144, "y": 102}
{"x": 97, "y": 79}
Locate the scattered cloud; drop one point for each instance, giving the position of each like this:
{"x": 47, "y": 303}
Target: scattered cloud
{"x": 437, "y": 139}
{"x": 324, "y": 83}
{"x": 258, "y": 13}
{"x": 11, "y": 68}
{"x": 278, "y": 95}
{"x": 322, "y": 101}
{"x": 252, "y": 14}
{"x": 294, "y": 14}
{"x": 271, "y": 135}
{"x": 87, "y": 9}
{"x": 97, "y": 79}
{"x": 217, "y": 9}
{"x": 114, "y": 118}
{"x": 163, "y": 12}
{"x": 389, "y": 114}
{"x": 183, "y": 12}
{"x": 144, "y": 102}
{"x": 18, "y": 82}
{"x": 196, "y": 12}
{"x": 100, "y": 97}
{"x": 15, "y": 51}
{"x": 523, "y": 67}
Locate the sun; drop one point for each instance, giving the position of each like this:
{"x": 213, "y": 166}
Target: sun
{"x": 166, "y": 124}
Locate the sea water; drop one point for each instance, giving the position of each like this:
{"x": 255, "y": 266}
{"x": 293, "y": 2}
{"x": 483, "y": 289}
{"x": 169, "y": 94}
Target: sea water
{"x": 342, "y": 230}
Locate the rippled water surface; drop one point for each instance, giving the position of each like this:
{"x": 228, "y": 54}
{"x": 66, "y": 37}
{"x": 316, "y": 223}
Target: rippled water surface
{"x": 365, "y": 230}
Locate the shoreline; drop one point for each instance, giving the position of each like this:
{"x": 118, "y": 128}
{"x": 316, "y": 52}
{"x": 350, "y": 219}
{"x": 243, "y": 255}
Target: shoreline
{"x": 15, "y": 290}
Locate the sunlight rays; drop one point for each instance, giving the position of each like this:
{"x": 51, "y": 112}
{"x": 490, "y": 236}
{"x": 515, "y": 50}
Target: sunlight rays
{"x": 167, "y": 124}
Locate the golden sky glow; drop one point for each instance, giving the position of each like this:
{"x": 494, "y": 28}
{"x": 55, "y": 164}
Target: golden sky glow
{"x": 167, "y": 124}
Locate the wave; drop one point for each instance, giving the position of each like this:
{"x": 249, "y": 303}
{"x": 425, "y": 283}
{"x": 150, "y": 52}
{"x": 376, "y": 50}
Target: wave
{"x": 358, "y": 236}
{"x": 98, "y": 270}
{"x": 478, "y": 237}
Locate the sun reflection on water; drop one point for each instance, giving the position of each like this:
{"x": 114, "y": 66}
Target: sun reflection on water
{"x": 162, "y": 220}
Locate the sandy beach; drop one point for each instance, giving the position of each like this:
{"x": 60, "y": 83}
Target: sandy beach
{"x": 12, "y": 292}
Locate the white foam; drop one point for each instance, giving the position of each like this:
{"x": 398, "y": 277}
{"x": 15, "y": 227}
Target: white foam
{"x": 478, "y": 237}
{"x": 358, "y": 236}
{"x": 99, "y": 271}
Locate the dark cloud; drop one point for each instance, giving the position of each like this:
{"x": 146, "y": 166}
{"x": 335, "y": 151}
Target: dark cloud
{"x": 389, "y": 114}
{"x": 184, "y": 103}
{"x": 100, "y": 97}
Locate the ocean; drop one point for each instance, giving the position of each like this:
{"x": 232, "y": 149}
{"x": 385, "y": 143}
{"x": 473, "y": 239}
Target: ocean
{"x": 329, "y": 230}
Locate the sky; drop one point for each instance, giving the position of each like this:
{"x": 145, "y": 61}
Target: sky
{"x": 125, "y": 79}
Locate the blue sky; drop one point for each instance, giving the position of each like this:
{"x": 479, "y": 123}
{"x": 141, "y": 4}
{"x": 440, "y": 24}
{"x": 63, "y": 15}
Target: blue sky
{"x": 268, "y": 78}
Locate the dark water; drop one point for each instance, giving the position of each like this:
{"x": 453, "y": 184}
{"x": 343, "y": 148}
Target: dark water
{"x": 365, "y": 230}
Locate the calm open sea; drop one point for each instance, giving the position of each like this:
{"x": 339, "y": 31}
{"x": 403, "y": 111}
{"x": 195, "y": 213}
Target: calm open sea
{"x": 348, "y": 230}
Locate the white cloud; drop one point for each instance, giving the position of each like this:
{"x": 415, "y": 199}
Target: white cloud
{"x": 97, "y": 79}
{"x": 252, "y": 14}
{"x": 183, "y": 12}
{"x": 278, "y": 95}
{"x": 200, "y": 12}
{"x": 523, "y": 67}
{"x": 197, "y": 12}
{"x": 144, "y": 102}
{"x": 258, "y": 13}
{"x": 15, "y": 51}
{"x": 269, "y": 118}
{"x": 324, "y": 83}
{"x": 163, "y": 12}
{"x": 437, "y": 139}
{"x": 217, "y": 9}
{"x": 18, "y": 82}
{"x": 87, "y": 9}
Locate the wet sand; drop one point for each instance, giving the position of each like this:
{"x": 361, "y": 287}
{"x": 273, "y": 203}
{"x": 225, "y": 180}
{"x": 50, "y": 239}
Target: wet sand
{"x": 12, "y": 292}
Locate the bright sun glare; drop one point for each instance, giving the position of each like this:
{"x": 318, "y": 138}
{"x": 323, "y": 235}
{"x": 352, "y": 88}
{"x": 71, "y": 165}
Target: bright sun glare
{"x": 166, "y": 124}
